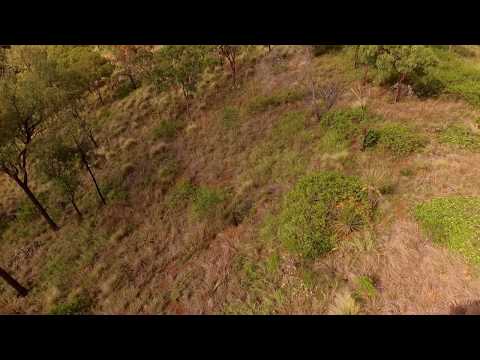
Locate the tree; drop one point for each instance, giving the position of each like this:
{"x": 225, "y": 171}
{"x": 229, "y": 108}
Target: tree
{"x": 230, "y": 53}
{"x": 180, "y": 66}
{"x": 22, "y": 291}
{"x": 398, "y": 64}
{"x": 58, "y": 163}
{"x": 133, "y": 61}
{"x": 26, "y": 103}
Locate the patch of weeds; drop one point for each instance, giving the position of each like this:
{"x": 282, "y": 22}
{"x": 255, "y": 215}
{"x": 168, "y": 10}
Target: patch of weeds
{"x": 238, "y": 211}
{"x": 287, "y": 127}
{"x": 116, "y": 190}
{"x": 460, "y": 137}
{"x": 230, "y": 117}
{"x": 272, "y": 264}
{"x": 365, "y": 289}
{"x": 80, "y": 305}
{"x": 400, "y": 140}
{"x": 166, "y": 130}
{"x": 182, "y": 192}
{"x": 332, "y": 142}
{"x": 311, "y": 207}
{"x": 453, "y": 222}
{"x": 207, "y": 201}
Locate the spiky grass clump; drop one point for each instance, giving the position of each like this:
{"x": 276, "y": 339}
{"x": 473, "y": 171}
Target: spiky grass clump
{"x": 400, "y": 140}
{"x": 460, "y": 137}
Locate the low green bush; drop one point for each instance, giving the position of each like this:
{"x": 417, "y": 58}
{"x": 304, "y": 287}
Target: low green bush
{"x": 319, "y": 50}
{"x": 165, "y": 130}
{"x": 400, "y": 140}
{"x": 310, "y": 209}
{"x": 79, "y": 306}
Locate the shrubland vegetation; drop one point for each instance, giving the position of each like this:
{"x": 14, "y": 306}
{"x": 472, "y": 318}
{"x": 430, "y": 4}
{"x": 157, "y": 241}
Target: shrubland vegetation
{"x": 230, "y": 179}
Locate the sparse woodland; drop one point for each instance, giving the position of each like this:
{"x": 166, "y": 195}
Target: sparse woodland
{"x": 231, "y": 179}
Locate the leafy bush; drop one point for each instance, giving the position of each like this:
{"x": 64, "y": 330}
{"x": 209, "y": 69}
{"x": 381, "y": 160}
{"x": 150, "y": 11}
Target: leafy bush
{"x": 460, "y": 137}
{"x": 313, "y": 205}
{"x": 453, "y": 222}
{"x": 400, "y": 140}
{"x": 183, "y": 191}
{"x": 80, "y": 305}
{"x": 371, "y": 139}
{"x": 165, "y": 130}
{"x": 365, "y": 288}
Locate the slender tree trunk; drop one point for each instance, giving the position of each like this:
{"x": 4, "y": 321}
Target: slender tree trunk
{"x": 365, "y": 75}
{"x": 400, "y": 82}
{"x": 13, "y": 283}
{"x": 37, "y": 204}
{"x": 355, "y": 59}
{"x": 269, "y": 48}
{"x": 233, "y": 65}
{"x": 85, "y": 162}
{"x": 92, "y": 139}
{"x": 79, "y": 213}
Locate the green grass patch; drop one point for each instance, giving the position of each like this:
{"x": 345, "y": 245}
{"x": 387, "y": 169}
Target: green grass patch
{"x": 230, "y": 117}
{"x": 460, "y": 137}
{"x": 453, "y": 222}
{"x": 207, "y": 202}
{"x": 365, "y": 289}
{"x": 311, "y": 208}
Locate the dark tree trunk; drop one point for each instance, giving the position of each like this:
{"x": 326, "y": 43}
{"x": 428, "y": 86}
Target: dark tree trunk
{"x": 269, "y": 48}
{"x": 355, "y": 59}
{"x": 87, "y": 165}
{"x": 37, "y": 204}
{"x": 132, "y": 80}
{"x": 13, "y": 283}
{"x": 365, "y": 75}
{"x": 233, "y": 65}
{"x": 79, "y": 213}
{"x": 399, "y": 88}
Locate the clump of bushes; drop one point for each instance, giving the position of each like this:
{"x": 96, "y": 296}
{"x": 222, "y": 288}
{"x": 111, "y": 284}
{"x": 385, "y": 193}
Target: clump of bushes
{"x": 123, "y": 90}
{"x": 460, "y": 137}
{"x": 371, "y": 139}
{"x": 313, "y": 207}
{"x": 452, "y": 222}
{"x": 207, "y": 201}
{"x": 400, "y": 140}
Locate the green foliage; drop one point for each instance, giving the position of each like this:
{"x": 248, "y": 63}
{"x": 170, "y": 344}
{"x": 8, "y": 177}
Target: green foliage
{"x": 309, "y": 210}
{"x": 453, "y": 222}
{"x": 263, "y": 103}
{"x": 347, "y": 122}
{"x": 180, "y": 65}
{"x": 460, "y": 137}
{"x": 370, "y": 139}
{"x": 400, "y": 140}
{"x": 397, "y": 62}
{"x": 166, "y": 130}
{"x": 80, "y": 305}
{"x": 182, "y": 192}
{"x": 407, "y": 172}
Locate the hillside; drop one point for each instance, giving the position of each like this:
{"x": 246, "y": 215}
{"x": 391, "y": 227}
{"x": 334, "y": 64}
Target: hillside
{"x": 248, "y": 203}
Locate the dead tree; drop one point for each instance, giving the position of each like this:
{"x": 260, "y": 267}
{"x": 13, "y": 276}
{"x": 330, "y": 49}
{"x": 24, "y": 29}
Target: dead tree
{"x": 21, "y": 291}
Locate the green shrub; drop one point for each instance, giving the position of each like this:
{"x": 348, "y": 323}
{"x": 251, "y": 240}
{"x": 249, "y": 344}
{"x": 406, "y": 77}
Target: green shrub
{"x": 453, "y": 222}
{"x": 165, "y": 130}
{"x": 400, "y": 140}
{"x": 311, "y": 207}
{"x": 79, "y": 306}
{"x": 365, "y": 288}
{"x": 460, "y": 137}
{"x": 347, "y": 121}
{"x": 407, "y": 172}
{"x": 371, "y": 139}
